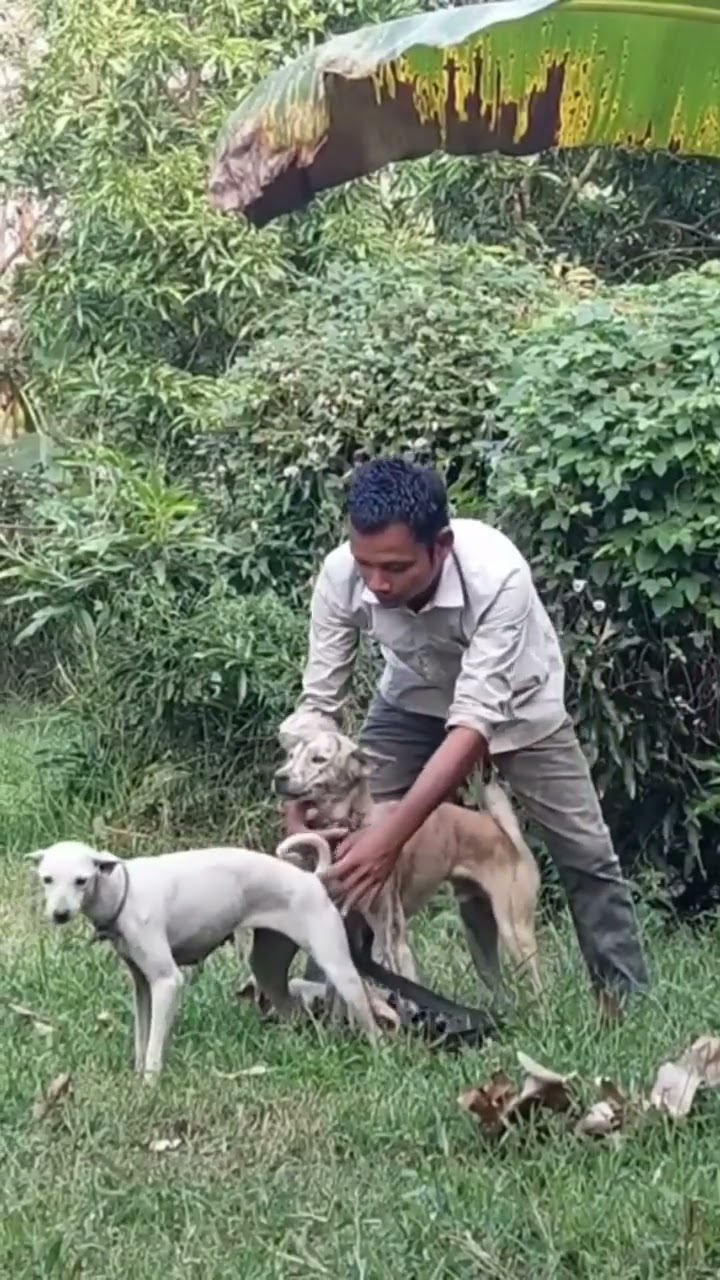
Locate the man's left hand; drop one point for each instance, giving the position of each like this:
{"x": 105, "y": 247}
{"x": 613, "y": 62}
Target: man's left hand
{"x": 361, "y": 866}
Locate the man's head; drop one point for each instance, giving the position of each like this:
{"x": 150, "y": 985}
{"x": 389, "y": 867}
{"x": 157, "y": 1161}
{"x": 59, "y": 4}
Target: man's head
{"x": 399, "y": 529}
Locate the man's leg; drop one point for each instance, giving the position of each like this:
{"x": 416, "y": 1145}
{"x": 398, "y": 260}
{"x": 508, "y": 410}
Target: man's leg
{"x": 405, "y": 738}
{"x": 552, "y": 781}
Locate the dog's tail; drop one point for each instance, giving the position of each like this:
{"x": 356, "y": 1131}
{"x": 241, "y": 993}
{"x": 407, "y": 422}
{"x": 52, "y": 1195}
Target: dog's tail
{"x": 295, "y": 849}
{"x": 500, "y": 808}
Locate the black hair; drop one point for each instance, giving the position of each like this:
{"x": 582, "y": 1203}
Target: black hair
{"x": 389, "y": 491}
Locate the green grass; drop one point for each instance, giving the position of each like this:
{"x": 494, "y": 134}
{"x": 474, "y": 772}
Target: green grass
{"x": 336, "y": 1161}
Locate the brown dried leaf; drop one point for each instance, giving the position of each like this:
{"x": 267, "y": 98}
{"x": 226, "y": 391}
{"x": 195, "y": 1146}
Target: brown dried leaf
{"x": 703, "y": 1057}
{"x": 257, "y": 1069}
{"x": 605, "y": 1118}
{"x": 28, "y": 1015}
{"x": 490, "y": 1102}
{"x": 674, "y": 1089}
{"x": 54, "y": 1093}
{"x": 610, "y": 1093}
{"x": 542, "y": 1087}
{"x": 601, "y": 1120}
{"x": 676, "y": 1083}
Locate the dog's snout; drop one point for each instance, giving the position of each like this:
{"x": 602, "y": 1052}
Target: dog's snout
{"x": 61, "y": 915}
{"x": 281, "y": 784}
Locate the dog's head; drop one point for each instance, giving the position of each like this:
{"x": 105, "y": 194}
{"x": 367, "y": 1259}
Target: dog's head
{"x": 68, "y": 872}
{"x": 326, "y": 768}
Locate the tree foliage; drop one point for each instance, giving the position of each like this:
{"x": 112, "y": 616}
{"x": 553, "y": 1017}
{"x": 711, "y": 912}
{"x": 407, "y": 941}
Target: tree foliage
{"x": 208, "y": 387}
{"x": 608, "y": 477}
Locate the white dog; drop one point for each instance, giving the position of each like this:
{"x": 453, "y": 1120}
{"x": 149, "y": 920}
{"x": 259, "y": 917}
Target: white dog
{"x": 175, "y": 909}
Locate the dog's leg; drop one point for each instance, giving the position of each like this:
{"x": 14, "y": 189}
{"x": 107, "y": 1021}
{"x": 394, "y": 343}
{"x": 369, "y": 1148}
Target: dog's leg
{"x": 389, "y": 925}
{"x": 481, "y": 932}
{"x": 270, "y": 959}
{"x": 165, "y": 992}
{"x": 328, "y": 945}
{"x": 142, "y": 1014}
{"x": 515, "y": 916}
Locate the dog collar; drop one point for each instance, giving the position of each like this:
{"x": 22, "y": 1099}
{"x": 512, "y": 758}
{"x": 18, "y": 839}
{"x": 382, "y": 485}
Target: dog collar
{"x": 105, "y": 931}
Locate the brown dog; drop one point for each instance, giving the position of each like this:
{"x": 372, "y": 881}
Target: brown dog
{"x": 482, "y": 854}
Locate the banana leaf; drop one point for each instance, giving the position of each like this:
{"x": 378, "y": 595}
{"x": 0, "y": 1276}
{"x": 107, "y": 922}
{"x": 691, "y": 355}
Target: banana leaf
{"x": 510, "y": 76}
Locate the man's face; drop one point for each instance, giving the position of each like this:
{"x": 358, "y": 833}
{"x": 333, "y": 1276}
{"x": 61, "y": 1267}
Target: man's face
{"x": 396, "y": 568}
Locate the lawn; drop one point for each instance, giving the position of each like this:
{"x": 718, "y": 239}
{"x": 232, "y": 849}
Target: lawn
{"x": 327, "y": 1159}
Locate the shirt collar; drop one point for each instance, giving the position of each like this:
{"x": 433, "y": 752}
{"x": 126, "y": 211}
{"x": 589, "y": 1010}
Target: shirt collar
{"x": 449, "y": 594}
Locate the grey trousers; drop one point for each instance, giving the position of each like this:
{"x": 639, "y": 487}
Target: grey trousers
{"x": 552, "y": 782}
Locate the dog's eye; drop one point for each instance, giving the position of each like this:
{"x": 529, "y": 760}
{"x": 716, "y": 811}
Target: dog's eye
{"x": 81, "y": 881}
{"x": 47, "y": 879}
{"x": 317, "y": 759}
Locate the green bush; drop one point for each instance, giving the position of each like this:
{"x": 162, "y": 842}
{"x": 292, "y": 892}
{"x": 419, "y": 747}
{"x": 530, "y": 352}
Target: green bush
{"x": 397, "y": 354}
{"x": 159, "y": 643}
{"x": 609, "y": 479}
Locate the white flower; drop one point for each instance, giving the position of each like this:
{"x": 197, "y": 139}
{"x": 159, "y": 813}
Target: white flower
{"x": 599, "y": 606}
{"x": 579, "y": 584}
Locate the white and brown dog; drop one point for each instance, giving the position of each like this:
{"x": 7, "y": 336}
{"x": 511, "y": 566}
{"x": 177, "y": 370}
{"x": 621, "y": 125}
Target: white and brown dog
{"x": 482, "y": 854}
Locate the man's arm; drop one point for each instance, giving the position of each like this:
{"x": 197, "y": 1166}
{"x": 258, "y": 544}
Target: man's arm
{"x": 327, "y": 677}
{"x": 326, "y": 682}
{"x": 483, "y": 698}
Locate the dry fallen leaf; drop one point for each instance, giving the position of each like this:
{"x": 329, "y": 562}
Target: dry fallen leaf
{"x": 674, "y": 1089}
{"x": 55, "y": 1091}
{"x": 541, "y": 1088}
{"x": 29, "y": 1015}
{"x": 160, "y": 1145}
{"x": 40, "y": 1023}
{"x": 703, "y": 1057}
{"x": 258, "y": 1069}
{"x": 490, "y": 1102}
{"x": 499, "y": 1103}
{"x": 676, "y": 1083}
{"x": 601, "y": 1120}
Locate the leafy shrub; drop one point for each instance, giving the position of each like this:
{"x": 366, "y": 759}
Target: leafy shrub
{"x": 609, "y": 479}
{"x": 154, "y": 639}
{"x": 397, "y": 354}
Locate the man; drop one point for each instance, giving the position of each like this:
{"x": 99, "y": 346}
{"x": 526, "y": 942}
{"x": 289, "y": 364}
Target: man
{"x": 473, "y": 671}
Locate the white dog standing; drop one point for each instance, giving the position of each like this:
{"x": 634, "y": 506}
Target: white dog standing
{"x": 175, "y": 909}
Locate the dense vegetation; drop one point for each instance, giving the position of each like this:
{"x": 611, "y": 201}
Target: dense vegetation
{"x": 548, "y": 331}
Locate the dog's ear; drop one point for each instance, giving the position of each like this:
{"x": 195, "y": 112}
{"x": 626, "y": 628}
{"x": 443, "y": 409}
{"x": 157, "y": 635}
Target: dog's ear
{"x": 369, "y": 759}
{"x": 302, "y": 727}
{"x": 35, "y": 857}
{"x": 105, "y": 862}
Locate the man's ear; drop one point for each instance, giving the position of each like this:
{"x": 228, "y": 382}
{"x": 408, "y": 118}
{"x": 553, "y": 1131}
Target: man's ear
{"x": 105, "y": 862}
{"x": 444, "y": 543}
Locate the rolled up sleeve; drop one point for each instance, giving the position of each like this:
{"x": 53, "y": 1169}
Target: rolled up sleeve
{"x": 483, "y": 696}
{"x": 333, "y": 645}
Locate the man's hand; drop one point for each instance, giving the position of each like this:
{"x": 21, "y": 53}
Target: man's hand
{"x": 365, "y": 859}
{"x": 362, "y": 864}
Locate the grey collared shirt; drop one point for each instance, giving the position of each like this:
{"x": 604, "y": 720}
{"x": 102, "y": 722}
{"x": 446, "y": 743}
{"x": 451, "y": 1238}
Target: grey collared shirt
{"x": 483, "y": 653}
